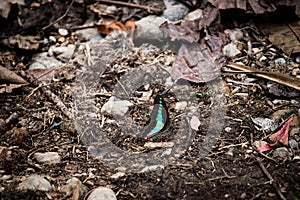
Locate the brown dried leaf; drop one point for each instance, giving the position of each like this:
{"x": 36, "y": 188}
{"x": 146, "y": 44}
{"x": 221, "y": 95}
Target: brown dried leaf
{"x": 257, "y": 7}
{"x": 199, "y": 62}
{"x": 10, "y": 77}
{"x": 284, "y": 36}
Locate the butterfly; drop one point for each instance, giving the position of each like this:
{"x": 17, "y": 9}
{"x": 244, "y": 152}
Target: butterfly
{"x": 159, "y": 120}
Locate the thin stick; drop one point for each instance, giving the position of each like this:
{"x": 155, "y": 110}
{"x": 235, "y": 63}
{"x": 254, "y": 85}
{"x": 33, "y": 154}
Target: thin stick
{"x": 147, "y": 8}
{"x": 270, "y": 178}
{"x": 282, "y": 79}
{"x": 60, "y": 18}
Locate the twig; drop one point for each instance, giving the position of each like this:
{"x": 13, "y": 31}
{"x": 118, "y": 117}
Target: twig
{"x": 55, "y": 99}
{"x": 60, "y": 18}
{"x": 282, "y": 79}
{"x": 147, "y": 8}
{"x": 270, "y": 178}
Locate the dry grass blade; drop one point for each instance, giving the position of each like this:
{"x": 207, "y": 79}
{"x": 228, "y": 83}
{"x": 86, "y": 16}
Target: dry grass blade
{"x": 282, "y": 79}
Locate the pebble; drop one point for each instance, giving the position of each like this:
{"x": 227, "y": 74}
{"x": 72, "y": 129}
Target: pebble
{"x": 63, "y": 53}
{"x": 49, "y": 158}
{"x": 236, "y": 35}
{"x": 151, "y": 168}
{"x": 61, "y": 39}
{"x": 280, "y": 61}
{"x": 264, "y": 123}
{"x": 87, "y": 33}
{"x": 35, "y": 182}
{"x": 102, "y": 193}
{"x": 231, "y": 50}
{"x": 63, "y": 32}
{"x": 115, "y": 107}
{"x": 174, "y": 10}
{"x": 181, "y": 105}
{"x": 52, "y": 38}
{"x": 263, "y": 59}
{"x": 195, "y": 123}
{"x": 73, "y": 186}
{"x": 298, "y": 59}
{"x": 43, "y": 61}
{"x": 228, "y": 129}
{"x": 294, "y": 144}
{"x": 281, "y": 153}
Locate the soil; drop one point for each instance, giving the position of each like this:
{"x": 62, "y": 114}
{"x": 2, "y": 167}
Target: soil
{"x": 228, "y": 169}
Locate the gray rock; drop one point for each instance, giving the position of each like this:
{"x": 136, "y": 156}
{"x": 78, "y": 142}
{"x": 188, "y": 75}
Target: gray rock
{"x": 294, "y": 144}
{"x": 102, "y": 193}
{"x": 49, "y": 158}
{"x": 148, "y": 28}
{"x": 63, "y": 53}
{"x": 42, "y": 61}
{"x": 35, "y": 182}
{"x": 87, "y": 34}
{"x": 174, "y": 10}
{"x": 115, "y": 107}
{"x": 281, "y": 153}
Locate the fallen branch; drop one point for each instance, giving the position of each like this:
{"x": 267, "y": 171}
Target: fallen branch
{"x": 282, "y": 79}
{"x": 121, "y": 3}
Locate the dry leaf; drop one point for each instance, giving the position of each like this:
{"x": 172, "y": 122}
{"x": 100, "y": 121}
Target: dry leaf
{"x": 284, "y": 36}
{"x": 282, "y": 135}
{"x": 10, "y": 77}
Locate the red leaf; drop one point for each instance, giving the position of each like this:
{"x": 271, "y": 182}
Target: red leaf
{"x": 282, "y": 135}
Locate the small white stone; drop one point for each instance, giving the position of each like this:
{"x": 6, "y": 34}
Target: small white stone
{"x": 151, "y": 168}
{"x": 228, "y": 129}
{"x": 181, "y": 105}
{"x": 63, "y": 32}
{"x": 263, "y": 59}
{"x": 49, "y": 158}
{"x": 52, "y": 38}
{"x": 280, "y": 61}
{"x": 116, "y": 107}
{"x": 102, "y": 193}
{"x": 231, "y": 50}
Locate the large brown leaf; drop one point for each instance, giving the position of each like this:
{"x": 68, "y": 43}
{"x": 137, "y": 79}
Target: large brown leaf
{"x": 199, "y": 62}
{"x": 284, "y": 36}
{"x": 256, "y": 7}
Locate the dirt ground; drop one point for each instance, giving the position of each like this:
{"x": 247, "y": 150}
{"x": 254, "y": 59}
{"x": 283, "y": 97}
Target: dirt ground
{"x": 219, "y": 162}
